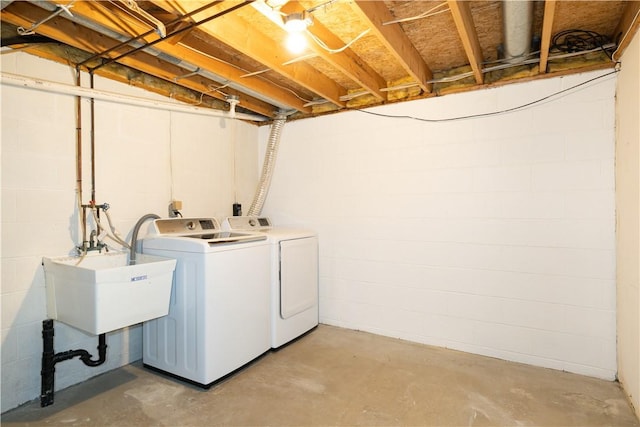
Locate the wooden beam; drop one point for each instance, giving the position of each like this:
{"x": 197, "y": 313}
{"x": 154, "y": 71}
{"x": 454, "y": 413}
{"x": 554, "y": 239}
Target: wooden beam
{"x": 244, "y": 37}
{"x": 461, "y": 13}
{"x": 192, "y": 54}
{"x": 547, "y": 28}
{"x": 395, "y": 40}
{"x": 346, "y": 61}
{"x": 67, "y": 32}
{"x": 627, "y": 27}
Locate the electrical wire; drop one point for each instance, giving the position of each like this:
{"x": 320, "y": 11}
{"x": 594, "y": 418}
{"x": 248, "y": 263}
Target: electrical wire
{"x": 502, "y": 60}
{"x": 525, "y": 62}
{"x": 343, "y": 48}
{"x": 171, "y": 180}
{"x": 254, "y": 74}
{"x": 493, "y": 113}
{"x": 468, "y": 74}
{"x": 420, "y": 16}
{"x": 211, "y": 89}
{"x": 60, "y": 8}
{"x": 132, "y": 9}
{"x": 320, "y": 6}
{"x": 576, "y": 40}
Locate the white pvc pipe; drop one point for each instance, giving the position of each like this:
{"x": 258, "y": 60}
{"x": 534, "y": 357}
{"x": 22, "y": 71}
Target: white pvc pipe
{"x": 517, "y": 20}
{"x": 49, "y": 86}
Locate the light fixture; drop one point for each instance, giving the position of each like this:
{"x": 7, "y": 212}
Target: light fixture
{"x": 296, "y": 43}
{"x": 297, "y": 22}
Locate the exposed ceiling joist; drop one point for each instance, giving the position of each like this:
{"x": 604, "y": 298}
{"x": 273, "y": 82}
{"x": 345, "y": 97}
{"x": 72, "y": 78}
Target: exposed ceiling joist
{"x": 461, "y": 14}
{"x": 627, "y": 27}
{"x": 392, "y": 36}
{"x": 545, "y": 38}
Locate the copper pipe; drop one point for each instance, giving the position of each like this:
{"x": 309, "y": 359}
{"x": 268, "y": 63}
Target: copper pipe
{"x": 81, "y": 212}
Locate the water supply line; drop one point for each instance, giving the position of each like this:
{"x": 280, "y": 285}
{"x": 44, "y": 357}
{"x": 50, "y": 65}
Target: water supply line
{"x": 79, "y": 91}
{"x": 114, "y": 233}
{"x": 78, "y": 100}
{"x": 109, "y": 232}
{"x": 92, "y": 130}
{"x": 268, "y": 165}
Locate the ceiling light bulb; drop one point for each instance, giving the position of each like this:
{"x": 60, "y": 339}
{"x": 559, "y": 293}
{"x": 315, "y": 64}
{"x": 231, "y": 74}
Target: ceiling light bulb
{"x": 296, "y": 43}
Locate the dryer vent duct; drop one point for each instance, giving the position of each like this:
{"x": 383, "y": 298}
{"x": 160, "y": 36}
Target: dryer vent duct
{"x": 268, "y": 165}
{"x": 517, "y": 22}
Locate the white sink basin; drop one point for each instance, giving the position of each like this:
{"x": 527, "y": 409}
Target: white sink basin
{"x": 103, "y": 293}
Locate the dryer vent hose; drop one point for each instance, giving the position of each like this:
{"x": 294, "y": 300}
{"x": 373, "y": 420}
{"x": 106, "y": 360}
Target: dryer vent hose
{"x": 267, "y": 166}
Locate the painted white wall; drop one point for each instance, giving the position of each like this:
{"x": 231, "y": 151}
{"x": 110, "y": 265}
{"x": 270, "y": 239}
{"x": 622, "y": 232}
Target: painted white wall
{"x": 628, "y": 213}
{"x": 144, "y": 158}
{"x": 493, "y": 235}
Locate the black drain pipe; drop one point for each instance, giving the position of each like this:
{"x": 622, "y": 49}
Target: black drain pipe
{"x": 50, "y": 358}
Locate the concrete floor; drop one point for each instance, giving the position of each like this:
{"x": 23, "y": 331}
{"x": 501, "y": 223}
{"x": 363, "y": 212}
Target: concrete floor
{"x": 341, "y": 377}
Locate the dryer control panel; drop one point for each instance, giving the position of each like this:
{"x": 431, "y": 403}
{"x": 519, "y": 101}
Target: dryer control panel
{"x": 246, "y": 223}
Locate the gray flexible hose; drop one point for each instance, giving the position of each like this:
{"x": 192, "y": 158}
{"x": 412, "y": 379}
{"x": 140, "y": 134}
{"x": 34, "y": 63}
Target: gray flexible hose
{"x": 134, "y": 235}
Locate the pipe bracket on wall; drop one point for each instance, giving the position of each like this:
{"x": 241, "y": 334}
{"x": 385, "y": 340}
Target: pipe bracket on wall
{"x": 50, "y": 358}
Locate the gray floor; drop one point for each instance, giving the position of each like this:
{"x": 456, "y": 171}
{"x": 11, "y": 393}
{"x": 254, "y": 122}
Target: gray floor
{"x": 336, "y": 376}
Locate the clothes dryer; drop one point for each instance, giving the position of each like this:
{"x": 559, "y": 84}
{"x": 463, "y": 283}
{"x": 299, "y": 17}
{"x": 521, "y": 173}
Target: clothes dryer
{"x": 294, "y": 276}
{"x": 219, "y": 315}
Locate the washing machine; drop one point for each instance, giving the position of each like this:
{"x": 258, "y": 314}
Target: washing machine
{"x": 219, "y": 312}
{"x": 294, "y": 276}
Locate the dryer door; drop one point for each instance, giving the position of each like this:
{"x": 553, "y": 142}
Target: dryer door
{"x": 298, "y": 275}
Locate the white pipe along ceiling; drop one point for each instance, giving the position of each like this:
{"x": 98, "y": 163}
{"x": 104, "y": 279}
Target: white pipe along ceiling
{"x": 49, "y": 86}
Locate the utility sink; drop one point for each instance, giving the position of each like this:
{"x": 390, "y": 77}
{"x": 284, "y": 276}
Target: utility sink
{"x": 103, "y": 292}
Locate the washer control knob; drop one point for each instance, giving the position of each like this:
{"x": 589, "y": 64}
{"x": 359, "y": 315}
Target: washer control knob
{"x": 252, "y": 222}
{"x": 191, "y": 225}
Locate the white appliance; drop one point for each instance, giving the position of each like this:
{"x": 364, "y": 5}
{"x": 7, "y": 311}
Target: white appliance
{"x": 294, "y": 276}
{"x": 219, "y": 317}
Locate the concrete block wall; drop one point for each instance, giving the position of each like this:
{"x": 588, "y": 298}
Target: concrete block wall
{"x": 144, "y": 158}
{"x": 493, "y": 235}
